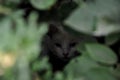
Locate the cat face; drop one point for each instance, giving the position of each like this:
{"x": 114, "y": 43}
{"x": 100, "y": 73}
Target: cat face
{"x": 60, "y": 43}
{"x": 64, "y": 46}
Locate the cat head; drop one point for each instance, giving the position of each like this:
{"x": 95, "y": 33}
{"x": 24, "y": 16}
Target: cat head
{"x": 62, "y": 44}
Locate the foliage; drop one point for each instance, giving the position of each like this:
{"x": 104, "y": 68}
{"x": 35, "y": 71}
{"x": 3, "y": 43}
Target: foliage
{"x": 24, "y": 23}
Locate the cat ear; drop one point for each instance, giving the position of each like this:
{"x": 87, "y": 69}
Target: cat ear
{"x": 53, "y": 29}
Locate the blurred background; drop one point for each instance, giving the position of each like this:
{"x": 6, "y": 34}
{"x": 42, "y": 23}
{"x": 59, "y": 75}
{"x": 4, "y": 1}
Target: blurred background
{"x": 24, "y": 23}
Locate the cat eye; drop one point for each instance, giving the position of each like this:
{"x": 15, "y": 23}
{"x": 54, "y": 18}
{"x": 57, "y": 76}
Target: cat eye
{"x": 73, "y": 44}
{"x": 58, "y": 45}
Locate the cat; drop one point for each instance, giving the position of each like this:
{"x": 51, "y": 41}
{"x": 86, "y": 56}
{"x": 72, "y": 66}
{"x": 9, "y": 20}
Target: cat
{"x": 59, "y": 46}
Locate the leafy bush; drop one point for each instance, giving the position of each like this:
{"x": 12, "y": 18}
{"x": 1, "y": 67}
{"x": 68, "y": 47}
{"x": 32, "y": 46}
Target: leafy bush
{"x": 24, "y": 23}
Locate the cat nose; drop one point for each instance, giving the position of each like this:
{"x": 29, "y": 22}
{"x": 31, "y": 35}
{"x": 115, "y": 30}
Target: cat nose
{"x": 65, "y": 54}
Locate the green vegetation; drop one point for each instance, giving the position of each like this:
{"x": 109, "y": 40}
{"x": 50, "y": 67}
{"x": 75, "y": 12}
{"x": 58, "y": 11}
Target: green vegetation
{"x": 23, "y": 23}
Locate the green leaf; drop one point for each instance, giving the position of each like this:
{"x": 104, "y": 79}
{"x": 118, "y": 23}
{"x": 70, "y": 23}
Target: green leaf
{"x": 42, "y": 4}
{"x": 99, "y": 74}
{"x": 41, "y": 65}
{"x": 80, "y": 65}
{"x": 23, "y": 68}
{"x": 101, "y": 53}
{"x": 81, "y": 20}
{"x": 96, "y": 17}
{"x": 103, "y": 28}
{"x": 59, "y": 76}
{"x": 32, "y": 19}
{"x": 111, "y": 39}
{"x": 116, "y": 72}
{"x": 86, "y": 39}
